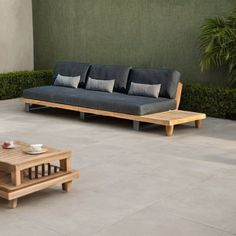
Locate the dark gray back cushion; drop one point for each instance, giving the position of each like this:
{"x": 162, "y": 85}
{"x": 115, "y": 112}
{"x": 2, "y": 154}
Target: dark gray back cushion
{"x": 108, "y": 72}
{"x": 68, "y": 68}
{"x": 167, "y": 78}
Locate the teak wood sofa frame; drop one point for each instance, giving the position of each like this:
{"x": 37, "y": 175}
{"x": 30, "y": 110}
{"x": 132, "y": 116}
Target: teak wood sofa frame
{"x": 156, "y": 118}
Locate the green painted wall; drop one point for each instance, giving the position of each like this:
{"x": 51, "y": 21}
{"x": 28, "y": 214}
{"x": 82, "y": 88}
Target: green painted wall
{"x": 148, "y": 33}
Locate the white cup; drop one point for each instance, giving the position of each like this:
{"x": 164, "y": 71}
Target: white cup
{"x": 36, "y": 147}
{"x": 11, "y": 143}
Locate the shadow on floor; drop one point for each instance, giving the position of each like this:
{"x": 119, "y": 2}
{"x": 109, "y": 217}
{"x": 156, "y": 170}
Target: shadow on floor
{"x": 34, "y": 199}
{"x": 214, "y": 130}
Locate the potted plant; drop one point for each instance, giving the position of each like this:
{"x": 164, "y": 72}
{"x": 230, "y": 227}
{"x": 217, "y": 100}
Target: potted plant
{"x": 218, "y": 44}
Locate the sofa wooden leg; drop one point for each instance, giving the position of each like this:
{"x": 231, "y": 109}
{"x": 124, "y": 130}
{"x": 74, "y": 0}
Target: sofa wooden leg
{"x": 82, "y": 115}
{"x": 27, "y": 107}
{"x": 169, "y": 130}
{"x": 136, "y": 125}
{"x": 198, "y": 124}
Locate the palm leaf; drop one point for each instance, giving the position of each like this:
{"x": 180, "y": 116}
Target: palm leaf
{"x": 218, "y": 44}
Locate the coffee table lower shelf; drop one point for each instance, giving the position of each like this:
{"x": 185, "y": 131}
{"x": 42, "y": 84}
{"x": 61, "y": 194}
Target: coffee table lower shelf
{"x": 12, "y": 193}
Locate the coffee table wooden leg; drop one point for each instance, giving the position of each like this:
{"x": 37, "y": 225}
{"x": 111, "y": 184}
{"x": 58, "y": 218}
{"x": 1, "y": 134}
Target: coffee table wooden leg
{"x": 65, "y": 164}
{"x": 16, "y": 177}
{"x": 12, "y": 203}
{"x": 169, "y": 130}
{"x": 198, "y": 124}
{"x": 67, "y": 186}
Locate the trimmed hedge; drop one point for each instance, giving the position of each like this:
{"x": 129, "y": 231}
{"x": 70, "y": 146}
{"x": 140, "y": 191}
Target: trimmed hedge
{"x": 12, "y": 84}
{"x": 214, "y": 101}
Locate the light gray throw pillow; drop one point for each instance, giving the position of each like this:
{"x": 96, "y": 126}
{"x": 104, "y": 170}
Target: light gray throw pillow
{"x": 67, "y": 81}
{"x": 100, "y": 85}
{"x": 147, "y": 90}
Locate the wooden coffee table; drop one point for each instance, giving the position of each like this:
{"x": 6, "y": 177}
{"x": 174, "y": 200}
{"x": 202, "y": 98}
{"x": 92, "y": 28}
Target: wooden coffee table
{"x": 22, "y": 174}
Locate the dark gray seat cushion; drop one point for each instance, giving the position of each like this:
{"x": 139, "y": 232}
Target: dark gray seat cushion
{"x": 115, "y": 102}
{"x": 167, "y": 78}
{"x": 108, "y": 72}
{"x": 68, "y": 68}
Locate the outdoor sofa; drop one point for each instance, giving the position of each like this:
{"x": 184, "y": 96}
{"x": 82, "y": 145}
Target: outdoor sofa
{"x": 118, "y": 102}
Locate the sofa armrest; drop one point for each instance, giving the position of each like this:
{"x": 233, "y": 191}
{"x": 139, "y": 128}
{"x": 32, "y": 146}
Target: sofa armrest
{"x": 178, "y": 95}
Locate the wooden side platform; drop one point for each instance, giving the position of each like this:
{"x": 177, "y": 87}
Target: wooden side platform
{"x": 168, "y": 119}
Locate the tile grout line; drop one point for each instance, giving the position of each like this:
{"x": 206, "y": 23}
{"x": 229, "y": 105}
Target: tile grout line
{"x": 208, "y": 225}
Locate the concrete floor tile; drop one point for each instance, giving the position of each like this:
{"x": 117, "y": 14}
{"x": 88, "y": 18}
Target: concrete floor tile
{"x": 132, "y": 183}
{"x": 152, "y": 222}
{"x": 211, "y": 202}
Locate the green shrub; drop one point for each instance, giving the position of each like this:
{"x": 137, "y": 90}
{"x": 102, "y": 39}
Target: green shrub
{"x": 12, "y": 84}
{"x": 214, "y": 101}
